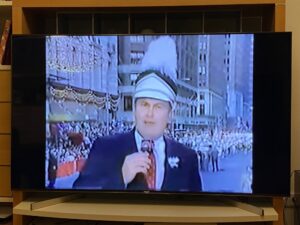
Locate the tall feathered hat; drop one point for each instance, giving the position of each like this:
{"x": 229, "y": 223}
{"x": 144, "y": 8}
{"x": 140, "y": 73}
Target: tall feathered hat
{"x": 159, "y": 67}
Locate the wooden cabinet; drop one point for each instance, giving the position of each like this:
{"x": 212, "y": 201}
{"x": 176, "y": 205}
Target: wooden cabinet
{"x": 5, "y": 137}
{"x": 5, "y": 110}
{"x": 5, "y": 133}
{"x": 136, "y": 16}
{"x": 125, "y": 17}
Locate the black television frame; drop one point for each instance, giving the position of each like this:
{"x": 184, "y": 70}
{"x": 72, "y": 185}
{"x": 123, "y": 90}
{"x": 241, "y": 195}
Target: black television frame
{"x": 29, "y": 140}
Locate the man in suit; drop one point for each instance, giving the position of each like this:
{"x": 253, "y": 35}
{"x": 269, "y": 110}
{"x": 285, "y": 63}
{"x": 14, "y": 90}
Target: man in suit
{"x": 144, "y": 159}
{"x": 117, "y": 162}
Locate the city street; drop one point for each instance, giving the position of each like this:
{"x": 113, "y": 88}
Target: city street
{"x": 230, "y": 178}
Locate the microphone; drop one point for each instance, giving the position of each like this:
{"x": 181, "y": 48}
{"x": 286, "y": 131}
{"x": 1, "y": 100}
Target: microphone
{"x": 146, "y": 146}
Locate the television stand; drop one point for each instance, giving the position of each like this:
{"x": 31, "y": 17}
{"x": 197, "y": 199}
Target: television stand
{"x": 245, "y": 206}
{"x": 53, "y": 201}
{"x": 91, "y": 207}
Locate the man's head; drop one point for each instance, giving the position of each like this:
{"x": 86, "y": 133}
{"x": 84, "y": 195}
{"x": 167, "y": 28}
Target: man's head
{"x": 154, "y": 97}
{"x": 151, "y": 117}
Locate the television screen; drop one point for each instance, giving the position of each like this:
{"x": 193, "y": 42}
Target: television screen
{"x": 200, "y": 113}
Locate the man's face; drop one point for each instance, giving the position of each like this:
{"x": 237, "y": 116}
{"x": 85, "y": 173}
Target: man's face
{"x": 151, "y": 117}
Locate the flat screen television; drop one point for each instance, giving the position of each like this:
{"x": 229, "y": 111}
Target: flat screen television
{"x": 77, "y": 102}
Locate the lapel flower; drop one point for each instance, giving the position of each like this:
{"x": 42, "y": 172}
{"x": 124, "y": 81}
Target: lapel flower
{"x": 173, "y": 161}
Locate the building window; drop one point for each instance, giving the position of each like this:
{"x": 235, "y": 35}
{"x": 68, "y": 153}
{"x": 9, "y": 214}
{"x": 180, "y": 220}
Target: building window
{"x": 202, "y": 109}
{"x": 136, "y": 57}
{"x": 133, "y": 77}
{"x": 127, "y": 103}
{"x": 137, "y": 39}
{"x": 201, "y": 96}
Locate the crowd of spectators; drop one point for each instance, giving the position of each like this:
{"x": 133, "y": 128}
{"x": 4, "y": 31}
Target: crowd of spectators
{"x": 214, "y": 144}
{"x": 69, "y": 141}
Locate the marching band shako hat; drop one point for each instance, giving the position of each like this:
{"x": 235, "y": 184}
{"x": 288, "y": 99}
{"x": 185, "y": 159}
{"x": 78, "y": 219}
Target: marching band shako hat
{"x": 159, "y": 65}
{"x": 153, "y": 84}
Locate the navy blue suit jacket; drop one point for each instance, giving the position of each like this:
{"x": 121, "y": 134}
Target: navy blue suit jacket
{"x": 103, "y": 169}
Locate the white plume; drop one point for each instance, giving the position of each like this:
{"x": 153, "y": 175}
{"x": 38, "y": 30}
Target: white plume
{"x": 161, "y": 55}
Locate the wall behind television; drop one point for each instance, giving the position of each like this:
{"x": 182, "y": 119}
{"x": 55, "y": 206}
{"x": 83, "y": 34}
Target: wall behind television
{"x": 292, "y": 24}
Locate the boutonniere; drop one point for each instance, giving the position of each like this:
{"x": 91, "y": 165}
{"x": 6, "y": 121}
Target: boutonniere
{"x": 173, "y": 161}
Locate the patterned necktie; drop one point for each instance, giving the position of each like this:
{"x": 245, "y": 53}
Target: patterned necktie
{"x": 148, "y": 146}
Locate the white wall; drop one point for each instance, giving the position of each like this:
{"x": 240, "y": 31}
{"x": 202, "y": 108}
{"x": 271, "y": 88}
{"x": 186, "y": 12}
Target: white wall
{"x": 292, "y": 24}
